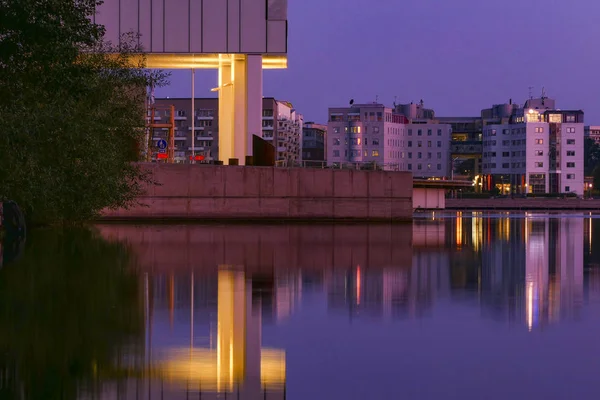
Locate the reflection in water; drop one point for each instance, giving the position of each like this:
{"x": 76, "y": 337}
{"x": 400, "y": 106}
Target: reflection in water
{"x": 69, "y": 307}
{"x": 204, "y": 311}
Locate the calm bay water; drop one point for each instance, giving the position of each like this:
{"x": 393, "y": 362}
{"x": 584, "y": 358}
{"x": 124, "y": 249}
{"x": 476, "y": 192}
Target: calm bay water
{"x": 454, "y": 306}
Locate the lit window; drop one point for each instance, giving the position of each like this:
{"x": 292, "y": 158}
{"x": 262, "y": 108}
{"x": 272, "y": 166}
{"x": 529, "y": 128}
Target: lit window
{"x": 539, "y": 141}
{"x": 375, "y": 153}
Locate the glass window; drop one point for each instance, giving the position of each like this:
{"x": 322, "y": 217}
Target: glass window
{"x": 336, "y": 141}
{"x": 336, "y": 153}
{"x": 375, "y": 153}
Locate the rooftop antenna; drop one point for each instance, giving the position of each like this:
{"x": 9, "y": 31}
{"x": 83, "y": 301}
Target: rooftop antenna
{"x": 376, "y": 99}
{"x": 395, "y": 99}
{"x": 530, "y": 92}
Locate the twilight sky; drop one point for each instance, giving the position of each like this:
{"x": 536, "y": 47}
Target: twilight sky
{"x": 459, "y": 56}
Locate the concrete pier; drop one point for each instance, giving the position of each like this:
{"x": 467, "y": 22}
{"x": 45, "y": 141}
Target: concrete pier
{"x": 207, "y": 192}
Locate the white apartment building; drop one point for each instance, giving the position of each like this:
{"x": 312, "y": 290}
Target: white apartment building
{"x": 538, "y": 150}
{"x": 374, "y": 133}
{"x": 287, "y": 132}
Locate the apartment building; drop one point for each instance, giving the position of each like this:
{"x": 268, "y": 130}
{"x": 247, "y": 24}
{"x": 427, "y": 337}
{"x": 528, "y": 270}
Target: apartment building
{"x": 314, "y": 142}
{"x": 281, "y": 125}
{"x": 374, "y": 133}
{"x": 427, "y": 150}
{"x": 537, "y": 149}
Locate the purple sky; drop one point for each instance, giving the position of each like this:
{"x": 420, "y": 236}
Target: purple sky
{"x": 459, "y": 56}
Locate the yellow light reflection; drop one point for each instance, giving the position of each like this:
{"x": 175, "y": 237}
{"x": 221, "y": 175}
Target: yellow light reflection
{"x": 459, "y": 231}
{"x": 221, "y": 368}
{"x": 358, "y": 285}
{"x": 529, "y": 305}
{"x": 477, "y": 230}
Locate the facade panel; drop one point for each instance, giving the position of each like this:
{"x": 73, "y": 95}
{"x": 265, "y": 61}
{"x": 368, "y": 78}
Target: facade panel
{"x": 108, "y": 15}
{"x": 157, "y": 22}
{"x": 196, "y": 27}
{"x": 276, "y": 36}
{"x": 177, "y": 23}
{"x": 214, "y": 26}
{"x": 277, "y": 10}
{"x": 233, "y": 26}
{"x": 145, "y": 24}
{"x": 253, "y": 26}
{"x": 129, "y": 20}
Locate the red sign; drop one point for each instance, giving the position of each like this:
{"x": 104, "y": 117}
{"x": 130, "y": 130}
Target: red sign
{"x": 161, "y": 156}
{"x": 199, "y": 158}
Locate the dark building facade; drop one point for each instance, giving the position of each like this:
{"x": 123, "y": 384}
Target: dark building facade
{"x": 314, "y": 139}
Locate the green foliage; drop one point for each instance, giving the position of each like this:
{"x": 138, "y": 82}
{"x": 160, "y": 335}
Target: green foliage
{"x": 592, "y": 155}
{"x": 71, "y": 111}
{"x": 70, "y": 308}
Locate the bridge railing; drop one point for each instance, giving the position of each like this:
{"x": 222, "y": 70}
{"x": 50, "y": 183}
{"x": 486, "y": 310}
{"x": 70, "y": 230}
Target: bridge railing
{"x": 359, "y": 166}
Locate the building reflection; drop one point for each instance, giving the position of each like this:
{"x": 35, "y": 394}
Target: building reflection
{"x": 211, "y": 289}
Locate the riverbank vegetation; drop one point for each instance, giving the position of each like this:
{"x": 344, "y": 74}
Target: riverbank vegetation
{"x": 71, "y": 111}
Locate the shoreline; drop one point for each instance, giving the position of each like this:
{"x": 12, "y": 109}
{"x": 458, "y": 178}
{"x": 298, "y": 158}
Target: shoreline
{"x": 520, "y": 204}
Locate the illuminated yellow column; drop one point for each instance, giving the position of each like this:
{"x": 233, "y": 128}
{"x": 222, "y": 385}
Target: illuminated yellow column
{"x": 226, "y": 114}
{"x": 240, "y": 105}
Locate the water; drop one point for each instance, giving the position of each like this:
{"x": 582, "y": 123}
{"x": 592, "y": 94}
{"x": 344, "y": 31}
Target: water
{"x": 454, "y": 306}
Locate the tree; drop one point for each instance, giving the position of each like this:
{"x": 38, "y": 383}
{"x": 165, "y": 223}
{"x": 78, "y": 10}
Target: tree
{"x": 71, "y": 111}
{"x": 591, "y": 155}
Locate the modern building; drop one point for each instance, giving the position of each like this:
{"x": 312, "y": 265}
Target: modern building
{"x": 375, "y": 134}
{"x": 427, "y": 150}
{"x": 592, "y": 132}
{"x": 314, "y": 143}
{"x": 535, "y": 149}
{"x": 285, "y": 125}
{"x": 281, "y": 125}
{"x": 238, "y": 38}
{"x": 466, "y": 144}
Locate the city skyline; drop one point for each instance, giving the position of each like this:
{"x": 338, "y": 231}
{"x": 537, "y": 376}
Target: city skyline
{"x": 485, "y": 52}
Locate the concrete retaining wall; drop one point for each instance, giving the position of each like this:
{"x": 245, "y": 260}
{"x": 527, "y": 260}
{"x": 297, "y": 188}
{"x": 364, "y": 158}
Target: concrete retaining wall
{"x": 262, "y": 193}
